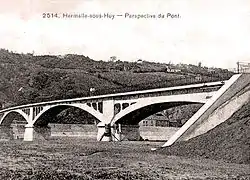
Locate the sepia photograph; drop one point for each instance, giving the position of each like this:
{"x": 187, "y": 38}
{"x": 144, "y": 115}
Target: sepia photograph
{"x": 124, "y": 90}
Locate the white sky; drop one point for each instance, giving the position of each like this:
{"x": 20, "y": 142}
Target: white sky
{"x": 214, "y": 32}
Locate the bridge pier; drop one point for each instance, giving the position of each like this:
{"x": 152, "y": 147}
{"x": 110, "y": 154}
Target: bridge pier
{"x": 104, "y": 132}
{"x": 6, "y": 133}
{"x": 37, "y": 133}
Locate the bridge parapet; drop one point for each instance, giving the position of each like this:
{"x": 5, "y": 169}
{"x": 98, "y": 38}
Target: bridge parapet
{"x": 189, "y": 90}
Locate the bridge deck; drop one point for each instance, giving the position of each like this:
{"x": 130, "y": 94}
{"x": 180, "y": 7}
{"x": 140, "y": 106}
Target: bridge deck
{"x": 201, "y": 85}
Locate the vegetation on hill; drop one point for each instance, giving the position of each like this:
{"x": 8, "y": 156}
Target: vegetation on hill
{"x": 181, "y": 114}
{"x": 26, "y": 78}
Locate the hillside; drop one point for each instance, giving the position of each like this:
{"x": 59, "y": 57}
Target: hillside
{"x": 25, "y": 78}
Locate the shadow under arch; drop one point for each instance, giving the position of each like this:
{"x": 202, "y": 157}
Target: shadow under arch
{"x": 134, "y": 117}
{"x": 15, "y": 115}
{"x": 46, "y": 116}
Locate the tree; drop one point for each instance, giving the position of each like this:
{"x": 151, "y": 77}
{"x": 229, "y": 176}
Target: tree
{"x": 113, "y": 58}
{"x": 39, "y": 80}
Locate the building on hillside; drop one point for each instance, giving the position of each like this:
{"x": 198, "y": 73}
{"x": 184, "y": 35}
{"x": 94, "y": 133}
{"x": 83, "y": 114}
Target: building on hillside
{"x": 198, "y": 77}
{"x": 139, "y": 61}
{"x": 244, "y": 67}
{"x": 172, "y": 69}
{"x": 211, "y": 70}
{"x": 159, "y": 120}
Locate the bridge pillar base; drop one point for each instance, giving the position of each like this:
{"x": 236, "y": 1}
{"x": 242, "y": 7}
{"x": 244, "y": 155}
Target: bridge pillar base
{"x": 104, "y": 132}
{"x": 37, "y": 133}
{"x": 6, "y": 133}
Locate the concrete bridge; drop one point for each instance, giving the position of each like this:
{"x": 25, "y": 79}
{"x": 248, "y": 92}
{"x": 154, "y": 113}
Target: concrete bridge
{"x": 118, "y": 114}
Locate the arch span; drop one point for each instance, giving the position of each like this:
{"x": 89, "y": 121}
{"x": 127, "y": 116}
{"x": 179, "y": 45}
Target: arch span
{"x": 141, "y": 104}
{"x": 134, "y": 117}
{"x": 6, "y": 122}
{"x": 52, "y": 111}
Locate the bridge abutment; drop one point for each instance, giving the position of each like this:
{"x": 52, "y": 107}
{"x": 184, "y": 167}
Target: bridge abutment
{"x": 37, "y": 133}
{"x": 6, "y": 133}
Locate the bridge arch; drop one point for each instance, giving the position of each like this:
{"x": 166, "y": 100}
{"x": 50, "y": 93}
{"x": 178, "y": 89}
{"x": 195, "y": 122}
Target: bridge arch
{"x": 160, "y": 104}
{"x": 56, "y": 109}
{"x": 5, "y": 122}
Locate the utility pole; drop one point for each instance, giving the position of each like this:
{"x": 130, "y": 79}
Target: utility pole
{"x": 238, "y": 67}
